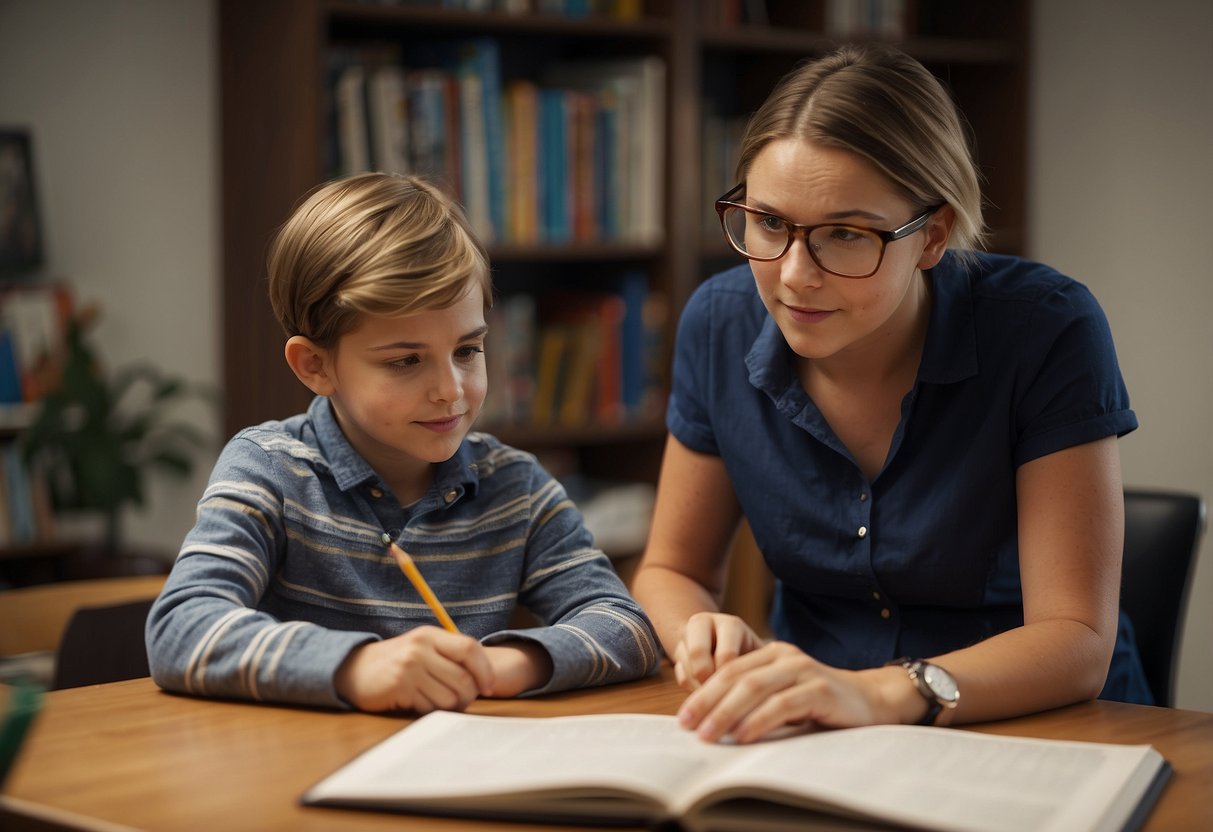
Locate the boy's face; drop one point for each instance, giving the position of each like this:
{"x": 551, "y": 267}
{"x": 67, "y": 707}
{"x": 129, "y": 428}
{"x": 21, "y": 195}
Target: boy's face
{"x": 406, "y": 390}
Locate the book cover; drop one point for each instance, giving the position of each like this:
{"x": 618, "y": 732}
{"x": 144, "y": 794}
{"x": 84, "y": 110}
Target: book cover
{"x": 388, "y": 99}
{"x": 555, "y": 166}
{"x": 522, "y": 177}
{"x": 352, "y": 134}
{"x": 481, "y": 58}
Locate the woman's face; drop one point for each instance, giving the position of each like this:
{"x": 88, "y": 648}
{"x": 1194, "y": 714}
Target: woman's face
{"x": 822, "y": 314}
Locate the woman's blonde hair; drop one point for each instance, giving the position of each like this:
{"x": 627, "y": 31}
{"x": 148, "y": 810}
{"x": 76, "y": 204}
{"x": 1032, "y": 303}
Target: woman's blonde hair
{"x": 373, "y": 243}
{"x": 882, "y": 104}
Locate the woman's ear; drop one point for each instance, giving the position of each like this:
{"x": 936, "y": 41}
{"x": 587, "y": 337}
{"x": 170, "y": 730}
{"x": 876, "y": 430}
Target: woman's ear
{"x": 937, "y": 230}
{"x": 310, "y": 363}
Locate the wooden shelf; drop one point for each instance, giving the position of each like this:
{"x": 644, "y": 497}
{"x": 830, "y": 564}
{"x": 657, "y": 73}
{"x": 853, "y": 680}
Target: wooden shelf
{"x": 274, "y": 98}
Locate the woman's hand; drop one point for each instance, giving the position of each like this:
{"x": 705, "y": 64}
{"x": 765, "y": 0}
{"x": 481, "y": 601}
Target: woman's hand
{"x": 710, "y": 640}
{"x": 423, "y": 670}
{"x": 777, "y": 688}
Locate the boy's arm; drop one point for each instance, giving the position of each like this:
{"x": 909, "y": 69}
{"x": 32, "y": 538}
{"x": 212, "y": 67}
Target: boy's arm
{"x": 205, "y": 634}
{"x": 596, "y": 634}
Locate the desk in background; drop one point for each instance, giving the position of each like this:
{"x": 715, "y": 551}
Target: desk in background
{"x": 128, "y": 756}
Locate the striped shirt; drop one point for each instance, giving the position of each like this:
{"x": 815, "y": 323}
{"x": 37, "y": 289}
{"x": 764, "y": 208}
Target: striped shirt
{"x": 285, "y": 570}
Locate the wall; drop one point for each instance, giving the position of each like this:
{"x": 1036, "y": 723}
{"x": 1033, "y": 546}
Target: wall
{"x": 1122, "y": 198}
{"x": 121, "y": 98}
{"x": 121, "y": 95}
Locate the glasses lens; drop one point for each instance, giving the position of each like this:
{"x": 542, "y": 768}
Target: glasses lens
{"x": 852, "y": 252}
{"x": 758, "y": 235}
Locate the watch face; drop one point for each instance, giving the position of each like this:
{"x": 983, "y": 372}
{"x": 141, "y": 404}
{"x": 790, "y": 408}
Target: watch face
{"x": 940, "y": 682}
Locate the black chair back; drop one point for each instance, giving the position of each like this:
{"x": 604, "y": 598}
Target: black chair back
{"x": 1162, "y": 535}
{"x": 103, "y": 644}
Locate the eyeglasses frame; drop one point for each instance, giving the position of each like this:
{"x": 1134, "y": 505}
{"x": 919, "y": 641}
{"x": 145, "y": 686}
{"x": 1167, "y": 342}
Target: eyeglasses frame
{"x": 803, "y": 231}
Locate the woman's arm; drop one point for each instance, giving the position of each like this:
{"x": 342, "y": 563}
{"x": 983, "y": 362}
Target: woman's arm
{"x": 1071, "y": 539}
{"x": 1071, "y": 529}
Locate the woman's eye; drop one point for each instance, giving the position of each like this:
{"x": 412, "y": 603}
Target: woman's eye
{"x": 407, "y": 361}
{"x": 771, "y": 224}
{"x": 469, "y": 352}
{"x": 844, "y": 235}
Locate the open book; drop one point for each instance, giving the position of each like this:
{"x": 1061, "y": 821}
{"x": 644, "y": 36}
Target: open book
{"x": 646, "y": 769}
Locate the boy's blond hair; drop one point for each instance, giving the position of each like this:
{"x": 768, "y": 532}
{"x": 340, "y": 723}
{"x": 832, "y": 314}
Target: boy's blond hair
{"x": 373, "y": 243}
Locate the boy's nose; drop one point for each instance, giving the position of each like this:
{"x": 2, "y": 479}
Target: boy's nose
{"x": 448, "y": 386}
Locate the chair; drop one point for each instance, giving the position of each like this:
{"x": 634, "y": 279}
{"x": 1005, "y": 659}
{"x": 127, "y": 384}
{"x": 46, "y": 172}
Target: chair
{"x": 103, "y": 644}
{"x": 1162, "y": 534}
{"x": 92, "y": 629}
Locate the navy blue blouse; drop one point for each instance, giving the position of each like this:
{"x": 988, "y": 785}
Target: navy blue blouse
{"x": 922, "y": 559}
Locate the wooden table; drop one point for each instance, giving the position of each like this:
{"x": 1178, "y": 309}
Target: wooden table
{"x": 129, "y": 756}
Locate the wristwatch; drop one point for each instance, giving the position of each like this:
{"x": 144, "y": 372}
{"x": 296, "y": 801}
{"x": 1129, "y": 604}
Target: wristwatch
{"x": 936, "y": 685}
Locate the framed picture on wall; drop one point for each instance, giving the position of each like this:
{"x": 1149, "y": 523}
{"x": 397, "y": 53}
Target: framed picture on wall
{"x": 20, "y": 230}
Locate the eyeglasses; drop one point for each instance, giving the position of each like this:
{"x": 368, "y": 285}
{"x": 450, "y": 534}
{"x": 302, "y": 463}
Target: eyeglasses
{"x": 844, "y": 250}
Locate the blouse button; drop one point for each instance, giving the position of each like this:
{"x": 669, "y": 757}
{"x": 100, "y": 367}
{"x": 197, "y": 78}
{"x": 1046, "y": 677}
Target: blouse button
{"x": 885, "y": 613}
{"x": 863, "y": 531}
{"x": 450, "y": 496}
{"x": 376, "y": 493}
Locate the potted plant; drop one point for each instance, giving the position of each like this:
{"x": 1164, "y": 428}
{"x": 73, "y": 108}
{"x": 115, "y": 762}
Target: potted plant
{"x": 98, "y": 436}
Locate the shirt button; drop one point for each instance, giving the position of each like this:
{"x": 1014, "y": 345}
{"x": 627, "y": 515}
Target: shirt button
{"x": 863, "y": 531}
{"x": 450, "y": 496}
{"x": 473, "y": 467}
{"x": 376, "y": 493}
{"x": 885, "y": 613}
{"x": 875, "y": 596}
{"x": 863, "y": 498}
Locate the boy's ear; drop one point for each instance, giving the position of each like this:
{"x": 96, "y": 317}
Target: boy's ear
{"x": 938, "y": 229}
{"x": 310, "y": 364}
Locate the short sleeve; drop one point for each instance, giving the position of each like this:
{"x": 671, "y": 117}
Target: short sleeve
{"x": 1072, "y": 389}
{"x": 688, "y": 415}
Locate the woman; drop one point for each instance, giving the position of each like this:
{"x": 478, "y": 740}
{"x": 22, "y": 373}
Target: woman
{"x": 922, "y": 437}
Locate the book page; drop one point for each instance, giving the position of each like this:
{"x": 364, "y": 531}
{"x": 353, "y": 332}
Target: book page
{"x": 446, "y": 756}
{"x": 948, "y": 779}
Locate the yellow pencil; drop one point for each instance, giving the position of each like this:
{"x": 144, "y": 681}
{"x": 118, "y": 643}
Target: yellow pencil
{"x": 411, "y": 572}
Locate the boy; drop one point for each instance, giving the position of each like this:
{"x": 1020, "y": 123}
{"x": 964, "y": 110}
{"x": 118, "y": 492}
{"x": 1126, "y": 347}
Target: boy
{"x": 284, "y": 589}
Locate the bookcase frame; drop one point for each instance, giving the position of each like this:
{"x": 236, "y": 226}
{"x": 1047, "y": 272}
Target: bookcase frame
{"x": 273, "y": 86}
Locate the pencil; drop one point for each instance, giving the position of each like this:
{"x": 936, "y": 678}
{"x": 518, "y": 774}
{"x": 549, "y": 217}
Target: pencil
{"x": 411, "y": 572}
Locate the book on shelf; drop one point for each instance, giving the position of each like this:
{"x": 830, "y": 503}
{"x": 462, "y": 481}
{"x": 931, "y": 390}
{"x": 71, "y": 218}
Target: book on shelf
{"x": 352, "y": 133}
{"x": 388, "y": 117}
{"x": 553, "y": 186}
{"x": 866, "y": 18}
{"x": 510, "y": 360}
{"x": 520, "y": 109}
{"x": 433, "y": 126}
{"x": 646, "y": 769}
{"x": 479, "y": 66}
{"x": 634, "y": 89}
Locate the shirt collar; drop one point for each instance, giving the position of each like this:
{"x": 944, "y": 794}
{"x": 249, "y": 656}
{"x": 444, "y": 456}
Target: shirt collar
{"x": 949, "y": 354}
{"x": 457, "y": 474}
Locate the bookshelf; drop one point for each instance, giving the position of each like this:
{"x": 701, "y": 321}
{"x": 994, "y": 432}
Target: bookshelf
{"x": 720, "y": 58}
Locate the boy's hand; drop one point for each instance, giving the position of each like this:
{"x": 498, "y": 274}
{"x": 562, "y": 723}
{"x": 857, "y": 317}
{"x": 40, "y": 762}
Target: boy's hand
{"x": 423, "y": 670}
{"x": 518, "y": 666}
